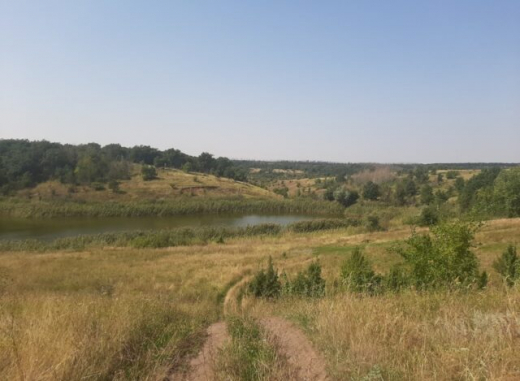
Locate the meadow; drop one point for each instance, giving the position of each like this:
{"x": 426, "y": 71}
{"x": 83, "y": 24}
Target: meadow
{"x": 130, "y": 313}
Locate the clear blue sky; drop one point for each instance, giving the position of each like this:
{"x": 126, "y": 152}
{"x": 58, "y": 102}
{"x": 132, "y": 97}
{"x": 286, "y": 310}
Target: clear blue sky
{"x": 384, "y": 81}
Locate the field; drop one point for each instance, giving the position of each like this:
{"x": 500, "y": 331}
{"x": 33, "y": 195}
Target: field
{"x": 125, "y": 313}
{"x": 169, "y": 184}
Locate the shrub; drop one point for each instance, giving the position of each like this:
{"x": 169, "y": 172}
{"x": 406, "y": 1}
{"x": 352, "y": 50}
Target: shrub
{"x": 371, "y": 191}
{"x": 443, "y": 258}
{"x": 372, "y": 223}
{"x": 148, "y": 172}
{"x": 320, "y": 224}
{"x": 113, "y": 185}
{"x": 358, "y": 275}
{"x": 266, "y": 283}
{"x": 308, "y": 282}
{"x": 428, "y": 217}
{"x": 397, "y": 279}
{"x": 508, "y": 265}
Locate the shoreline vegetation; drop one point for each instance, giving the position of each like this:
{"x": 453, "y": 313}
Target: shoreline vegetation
{"x": 172, "y": 237}
{"x": 20, "y": 208}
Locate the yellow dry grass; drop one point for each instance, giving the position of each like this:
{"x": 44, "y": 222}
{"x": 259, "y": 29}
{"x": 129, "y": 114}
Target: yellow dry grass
{"x": 170, "y": 184}
{"x": 131, "y": 314}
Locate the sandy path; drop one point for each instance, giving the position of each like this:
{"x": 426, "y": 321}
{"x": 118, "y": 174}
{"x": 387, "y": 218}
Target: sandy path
{"x": 292, "y": 344}
{"x": 307, "y": 364}
{"x": 202, "y": 367}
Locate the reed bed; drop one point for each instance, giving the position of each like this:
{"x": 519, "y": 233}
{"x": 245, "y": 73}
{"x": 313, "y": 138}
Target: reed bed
{"x": 21, "y": 208}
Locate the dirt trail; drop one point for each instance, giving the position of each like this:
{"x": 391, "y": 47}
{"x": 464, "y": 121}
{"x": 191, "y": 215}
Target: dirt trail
{"x": 307, "y": 364}
{"x": 202, "y": 367}
{"x": 304, "y": 361}
{"x": 232, "y": 304}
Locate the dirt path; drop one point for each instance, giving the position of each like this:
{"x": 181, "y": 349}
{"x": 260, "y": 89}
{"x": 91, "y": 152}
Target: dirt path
{"x": 232, "y": 303}
{"x": 202, "y": 367}
{"x": 304, "y": 361}
{"x": 307, "y": 364}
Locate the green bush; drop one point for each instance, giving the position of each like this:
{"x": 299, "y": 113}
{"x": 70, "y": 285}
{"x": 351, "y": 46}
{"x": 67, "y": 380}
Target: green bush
{"x": 442, "y": 259}
{"x": 397, "y": 279}
{"x": 148, "y": 172}
{"x": 266, "y": 283}
{"x": 320, "y": 224}
{"x": 372, "y": 223}
{"x": 428, "y": 217}
{"x": 357, "y": 273}
{"x": 508, "y": 265}
{"x": 307, "y": 283}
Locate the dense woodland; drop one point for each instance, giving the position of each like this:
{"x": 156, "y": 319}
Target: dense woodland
{"x": 26, "y": 163}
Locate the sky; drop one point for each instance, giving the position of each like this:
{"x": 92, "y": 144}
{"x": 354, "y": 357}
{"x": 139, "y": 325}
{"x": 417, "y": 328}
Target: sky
{"x": 344, "y": 81}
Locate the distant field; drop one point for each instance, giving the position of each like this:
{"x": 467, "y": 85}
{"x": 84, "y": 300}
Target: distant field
{"x": 170, "y": 184}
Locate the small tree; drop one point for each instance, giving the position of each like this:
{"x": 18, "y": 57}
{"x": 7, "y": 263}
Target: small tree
{"x": 443, "y": 258}
{"x": 357, "y": 273}
{"x": 266, "y": 283}
{"x": 426, "y": 194}
{"x": 508, "y": 265}
{"x": 308, "y": 283}
{"x": 148, "y": 172}
{"x": 371, "y": 191}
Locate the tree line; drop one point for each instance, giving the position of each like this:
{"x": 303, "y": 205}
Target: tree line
{"x": 25, "y": 163}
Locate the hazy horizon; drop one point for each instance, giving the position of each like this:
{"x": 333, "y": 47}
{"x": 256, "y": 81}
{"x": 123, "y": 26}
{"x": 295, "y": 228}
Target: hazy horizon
{"x": 398, "y": 82}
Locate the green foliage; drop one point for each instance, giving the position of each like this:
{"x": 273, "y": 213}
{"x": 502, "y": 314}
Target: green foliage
{"x": 397, "y": 279}
{"x": 113, "y": 185}
{"x": 372, "y": 223}
{"x": 482, "y": 181}
{"x": 508, "y": 265}
{"x": 506, "y": 193}
{"x": 282, "y": 191}
{"x": 429, "y": 216}
{"x": 24, "y": 163}
{"x": 442, "y": 258}
{"x": 266, "y": 283}
{"x": 345, "y": 197}
{"x": 321, "y": 224}
{"x": 148, "y": 172}
{"x": 427, "y": 194}
{"x": 460, "y": 184}
{"x": 357, "y": 273}
{"x": 307, "y": 283}
{"x": 14, "y": 207}
{"x": 450, "y": 175}
{"x": 371, "y": 191}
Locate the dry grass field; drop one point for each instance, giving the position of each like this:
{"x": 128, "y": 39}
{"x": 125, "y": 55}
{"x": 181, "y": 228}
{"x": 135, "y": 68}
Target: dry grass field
{"x": 134, "y": 314}
{"x": 170, "y": 184}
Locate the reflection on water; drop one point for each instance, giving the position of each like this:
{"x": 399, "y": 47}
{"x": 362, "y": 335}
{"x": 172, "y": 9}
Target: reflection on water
{"x": 48, "y": 229}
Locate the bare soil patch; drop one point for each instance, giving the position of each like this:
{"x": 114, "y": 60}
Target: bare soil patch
{"x": 294, "y": 345}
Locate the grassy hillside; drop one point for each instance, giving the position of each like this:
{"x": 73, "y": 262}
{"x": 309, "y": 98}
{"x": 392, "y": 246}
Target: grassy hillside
{"x": 169, "y": 184}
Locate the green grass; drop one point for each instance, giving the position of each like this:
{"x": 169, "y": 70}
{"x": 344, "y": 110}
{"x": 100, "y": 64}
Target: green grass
{"x": 15, "y": 207}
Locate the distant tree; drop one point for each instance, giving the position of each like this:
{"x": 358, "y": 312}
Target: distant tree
{"x": 187, "y": 167}
{"x": 345, "y": 197}
{"x": 459, "y": 184}
{"x": 450, "y": 175}
{"x": 410, "y": 187}
{"x": 421, "y": 174}
{"x": 206, "y": 162}
{"x": 148, "y": 172}
{"x": 371, "y": 191}
{"x": 426, "y": 194}
{"x": 400, "y": 194}
{"x": 508, "y": 265}
{"x": 440, "y": 178}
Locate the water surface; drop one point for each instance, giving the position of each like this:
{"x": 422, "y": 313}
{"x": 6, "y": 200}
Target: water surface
{"x": 48, "y": 229}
